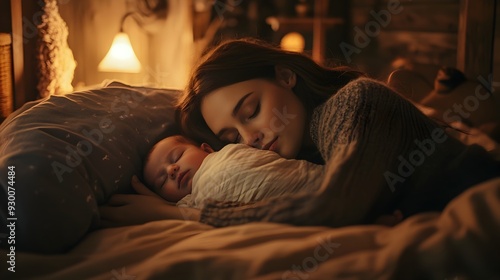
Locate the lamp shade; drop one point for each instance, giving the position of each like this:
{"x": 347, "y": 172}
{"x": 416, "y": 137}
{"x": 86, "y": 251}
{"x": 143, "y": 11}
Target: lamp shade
{"x": 293, "y": 41}
{"x": 120, "y": 57}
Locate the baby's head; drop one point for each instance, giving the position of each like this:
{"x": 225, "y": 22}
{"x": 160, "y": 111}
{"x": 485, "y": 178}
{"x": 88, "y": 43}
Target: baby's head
{"x": 171, "y": 164}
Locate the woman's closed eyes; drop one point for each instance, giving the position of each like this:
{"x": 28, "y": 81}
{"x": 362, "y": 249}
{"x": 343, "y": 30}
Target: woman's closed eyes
{"x": 253, "y": 113}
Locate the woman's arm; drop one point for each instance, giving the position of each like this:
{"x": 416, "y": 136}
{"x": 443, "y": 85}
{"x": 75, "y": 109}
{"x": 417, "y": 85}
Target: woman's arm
{"x": 146, "y": 206}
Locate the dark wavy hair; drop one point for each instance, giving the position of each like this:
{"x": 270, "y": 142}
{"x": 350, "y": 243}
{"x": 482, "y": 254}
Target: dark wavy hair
{"x": 240, "y": 60}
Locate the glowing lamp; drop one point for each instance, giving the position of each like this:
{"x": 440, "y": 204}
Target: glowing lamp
{"x": 293, "y": 41}
{"x": 120, "y": 57}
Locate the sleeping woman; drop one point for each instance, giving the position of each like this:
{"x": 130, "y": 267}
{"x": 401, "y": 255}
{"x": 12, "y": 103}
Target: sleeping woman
{"x": 380, "y": 152}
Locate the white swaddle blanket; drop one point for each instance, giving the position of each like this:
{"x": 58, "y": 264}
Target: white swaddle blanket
{"x": 242, "y": 173}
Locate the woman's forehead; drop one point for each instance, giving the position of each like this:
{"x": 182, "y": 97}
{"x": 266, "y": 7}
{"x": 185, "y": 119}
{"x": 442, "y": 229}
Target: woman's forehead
{"x": 238, "y": 88}
{"x": 228, "y": 96}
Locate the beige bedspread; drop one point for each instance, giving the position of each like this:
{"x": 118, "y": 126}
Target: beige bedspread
{"x": 461, "y": 243}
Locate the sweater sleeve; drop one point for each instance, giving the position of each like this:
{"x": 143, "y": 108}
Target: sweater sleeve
{"x": 361, "y": 131}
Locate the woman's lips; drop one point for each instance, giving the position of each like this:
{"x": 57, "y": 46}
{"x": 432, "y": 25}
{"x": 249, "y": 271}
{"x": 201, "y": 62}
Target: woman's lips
{"x": 181, "y": 180}
{"x": 272, "y": 145}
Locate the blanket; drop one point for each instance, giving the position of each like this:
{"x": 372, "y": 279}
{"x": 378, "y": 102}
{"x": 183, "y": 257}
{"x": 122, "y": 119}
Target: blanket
{"x": 241, "y": 173}
{"x": 459, "y": 243}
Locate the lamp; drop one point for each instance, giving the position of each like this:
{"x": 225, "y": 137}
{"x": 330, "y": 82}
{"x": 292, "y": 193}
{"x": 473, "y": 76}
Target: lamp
{"x": 121, "y": 56}
{"x": 293, "y": 41}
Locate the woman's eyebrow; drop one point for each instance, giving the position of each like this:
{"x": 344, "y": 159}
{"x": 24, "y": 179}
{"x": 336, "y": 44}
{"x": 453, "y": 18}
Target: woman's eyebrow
{"x": 240, "y": 103}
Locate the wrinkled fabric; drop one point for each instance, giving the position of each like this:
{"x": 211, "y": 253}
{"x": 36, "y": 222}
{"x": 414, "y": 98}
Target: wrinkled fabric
{"x": 241, "y": 173}
{"x": 459, "y": 243}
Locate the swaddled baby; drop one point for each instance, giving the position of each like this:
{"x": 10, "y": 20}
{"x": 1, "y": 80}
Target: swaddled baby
{"x": 185, "y": 173}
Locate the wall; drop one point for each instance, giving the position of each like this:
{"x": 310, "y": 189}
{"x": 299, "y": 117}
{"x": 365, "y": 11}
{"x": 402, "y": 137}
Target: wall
{"x": 496, "y": 51}
{"x": 424, "y": 33}
{"x": 24, "y": 40}
{"x": 165, "y": 58}
{"x": 420, "y": 31}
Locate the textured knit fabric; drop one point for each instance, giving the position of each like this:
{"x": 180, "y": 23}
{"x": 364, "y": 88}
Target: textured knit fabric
{"x": 382, "y": 154}
{"x": 241, "y": 173}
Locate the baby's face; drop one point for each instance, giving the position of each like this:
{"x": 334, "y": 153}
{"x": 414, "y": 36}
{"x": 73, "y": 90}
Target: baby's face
{"x": 171, "y": 167}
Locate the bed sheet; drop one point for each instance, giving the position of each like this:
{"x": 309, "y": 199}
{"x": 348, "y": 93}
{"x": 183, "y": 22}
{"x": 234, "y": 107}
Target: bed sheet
{"x": 460, "y": 243}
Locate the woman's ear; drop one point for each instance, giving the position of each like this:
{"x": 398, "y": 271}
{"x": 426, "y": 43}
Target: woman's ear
{"x": 285, "y": 76}
{"x": 205, "y": 147}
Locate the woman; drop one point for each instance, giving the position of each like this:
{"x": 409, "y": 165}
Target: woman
{"x": 381, "y": 153}
{"x": 240, "y": 63}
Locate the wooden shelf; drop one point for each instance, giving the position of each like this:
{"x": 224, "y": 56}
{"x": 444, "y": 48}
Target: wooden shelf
{"x": 305, "y": 23}
{"x": 319, "y": 23}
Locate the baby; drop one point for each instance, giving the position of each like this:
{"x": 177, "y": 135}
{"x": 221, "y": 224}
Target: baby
{"x": 185, "y": 173}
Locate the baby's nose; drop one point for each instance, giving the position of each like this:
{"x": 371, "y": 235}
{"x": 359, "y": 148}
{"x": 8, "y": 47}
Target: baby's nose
{"x": 172, "y": 170}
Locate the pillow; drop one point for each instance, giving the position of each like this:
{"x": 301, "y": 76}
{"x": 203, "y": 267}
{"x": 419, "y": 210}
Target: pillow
{"x": 70, "y": 154}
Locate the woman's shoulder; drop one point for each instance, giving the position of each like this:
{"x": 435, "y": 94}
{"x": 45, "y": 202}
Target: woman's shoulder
{"x": 351, "y": 92}
{"x": 362, "y": 85}
{"x": 356, "y": 93}
{"x": 346, "y": 110}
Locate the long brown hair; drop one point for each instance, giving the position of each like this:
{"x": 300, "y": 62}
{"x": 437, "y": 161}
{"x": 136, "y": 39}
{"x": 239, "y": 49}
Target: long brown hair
{"x": 245, "y": 59}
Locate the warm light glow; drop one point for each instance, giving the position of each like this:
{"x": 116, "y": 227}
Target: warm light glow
{"x": 120, "y": 57}
{"x": 293, "y": 41}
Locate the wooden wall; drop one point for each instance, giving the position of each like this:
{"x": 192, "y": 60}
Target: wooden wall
{"x": 456, "y": 33}
{"x": 20, "y": 17}
{"x": 421, "y": 31}
{"x": 496, "y": 51}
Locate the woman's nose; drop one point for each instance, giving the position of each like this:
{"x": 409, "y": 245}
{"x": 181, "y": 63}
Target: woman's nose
{"x": 254, "y": 139}
{"x": 172, "y": 170}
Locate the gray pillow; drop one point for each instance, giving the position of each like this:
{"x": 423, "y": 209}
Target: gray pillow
{"x": 70, "y": 154}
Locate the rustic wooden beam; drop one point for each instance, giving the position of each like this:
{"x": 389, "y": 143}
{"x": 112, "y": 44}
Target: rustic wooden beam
{"x": 18, "y": 53}
{"x": 320, "y": 13}
{"x": 475, "y": 37}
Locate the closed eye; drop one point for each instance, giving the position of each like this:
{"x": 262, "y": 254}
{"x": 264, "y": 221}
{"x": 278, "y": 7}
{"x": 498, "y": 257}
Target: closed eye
{"x": 178, "y": 157}
{"x": 237, "y": 138}
{"x": 256, "y": 111}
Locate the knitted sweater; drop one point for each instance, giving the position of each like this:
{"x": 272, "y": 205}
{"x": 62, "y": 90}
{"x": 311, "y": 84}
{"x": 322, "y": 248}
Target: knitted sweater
{"x": 381, "y": 154}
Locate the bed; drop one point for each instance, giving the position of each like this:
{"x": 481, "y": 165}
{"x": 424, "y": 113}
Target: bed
{"x": 461, "y": 243}
{"x": 72, "y": 152}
